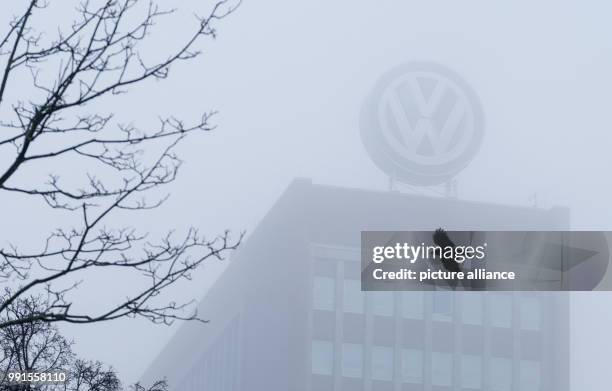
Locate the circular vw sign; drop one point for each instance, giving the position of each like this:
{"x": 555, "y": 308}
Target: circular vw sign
{"x": 422, "y": 123}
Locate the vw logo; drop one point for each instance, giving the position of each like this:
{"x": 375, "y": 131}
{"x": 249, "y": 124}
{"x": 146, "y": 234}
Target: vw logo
{"x": 422, "y": 123}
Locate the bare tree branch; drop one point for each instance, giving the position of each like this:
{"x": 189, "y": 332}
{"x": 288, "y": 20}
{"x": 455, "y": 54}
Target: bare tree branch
{"x": 99, "y": 55}
{"x": 38, "y": 347}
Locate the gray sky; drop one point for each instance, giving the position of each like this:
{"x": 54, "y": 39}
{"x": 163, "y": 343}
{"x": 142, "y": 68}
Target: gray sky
{"x": 289, "y": 79}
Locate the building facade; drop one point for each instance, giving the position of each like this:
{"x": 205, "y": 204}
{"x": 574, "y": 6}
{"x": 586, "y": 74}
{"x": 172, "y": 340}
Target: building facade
{"x": 289, "y": 313}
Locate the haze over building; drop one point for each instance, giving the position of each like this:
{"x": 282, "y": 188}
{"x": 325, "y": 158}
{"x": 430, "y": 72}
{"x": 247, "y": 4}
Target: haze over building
{"x": 289, "y": 313}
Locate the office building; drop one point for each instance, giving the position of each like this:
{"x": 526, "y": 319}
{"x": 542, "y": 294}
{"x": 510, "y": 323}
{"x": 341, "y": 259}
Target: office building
{"x": 289, "y": 314}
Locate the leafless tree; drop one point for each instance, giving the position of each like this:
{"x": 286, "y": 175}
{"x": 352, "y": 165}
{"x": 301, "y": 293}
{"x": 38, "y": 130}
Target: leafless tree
{"x": 160, "y": 385}
{"x": 33, "y": 346}
{"x": 38, "y": 347}
{"x": 114, "y": 168}
{"x": 88, "y": 376}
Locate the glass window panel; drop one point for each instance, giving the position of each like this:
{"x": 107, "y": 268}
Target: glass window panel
{"x": 501, "y": 374}
{"x": 471, "y": 371}
{"x": 500, "y": 308}
{"x": 352, "y": 269}
{"x": 412, "y": 305}
{"x": 471, "y": 308}
{"x": 322, "y": 357}
{"x": 353, "y": 298}
{"x": 352, "y": 360}
{"x": 530, "y": 376}
{"x": 412, "y": 366}
{"x": 381, "y": 303}
{"x": 324, "y": 293}
{"x": 530, "y": 313}
{"x": 442, "y": 305}
{"x": 382, "y": 363}
{"x": 441, "y": 369}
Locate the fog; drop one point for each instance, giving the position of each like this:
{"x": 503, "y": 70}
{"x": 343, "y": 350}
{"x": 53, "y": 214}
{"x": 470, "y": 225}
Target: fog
{"x": 289, "y": 80}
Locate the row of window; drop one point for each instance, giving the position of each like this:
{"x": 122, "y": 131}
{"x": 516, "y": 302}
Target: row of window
{"x": 353, "y": 300}
{"x": 217, "y": 368}
{"x": 412, "y": 369}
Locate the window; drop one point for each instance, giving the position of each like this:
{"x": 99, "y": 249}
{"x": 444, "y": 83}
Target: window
{"x": 471, "y": 308}
{"x": 412, "y": 305}
{"x": 501, "y": 374}
{"x": 471, "y": 371}
{"x": 530, "y": 313}
{"x": 324, "y": 293}
{"x": 353, "y": 298}
{"x": 381, "y": 303}
{"x": 352, "y": 360}
{"x": 500, "y": 307}
{"x": 322, "y": 357}
{"x": 441, "y": 369}
{"x": 382, "y": 363}
{"x": 216, "y": 368}
{"x": 412, "y": 366}
{"x": 530, "y": 376}
{"x": 442, "y": 305}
